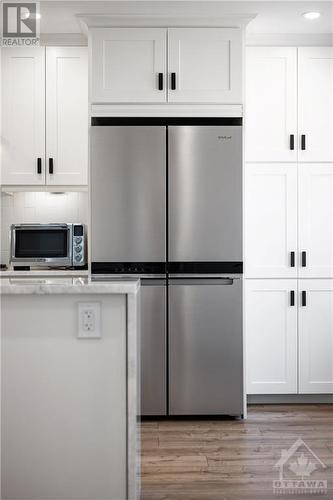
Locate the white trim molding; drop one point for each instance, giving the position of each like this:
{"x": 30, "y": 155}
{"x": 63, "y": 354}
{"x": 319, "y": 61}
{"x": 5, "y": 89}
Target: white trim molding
{"x": 197, "y": 110}
{"x": 88, "y": 21}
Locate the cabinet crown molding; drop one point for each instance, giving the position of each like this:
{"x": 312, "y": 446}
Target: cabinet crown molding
{"x": 89, "y": 21}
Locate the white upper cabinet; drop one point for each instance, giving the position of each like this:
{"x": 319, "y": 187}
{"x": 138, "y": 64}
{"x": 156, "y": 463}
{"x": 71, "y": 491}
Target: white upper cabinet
{"x": 315, "y": 98}
{"x": 271, "y": 220}
{"x": 66, "y": 115}
{"x": 316, "y": 336}
{"x": 45, "y": 116}
{"x": 289, "y": 104}
{"x": 271, "y": 336}
{"x": 128, "y": 65}
{"x": 271, "y": 104}
{"x": 23, "y": 116}
{"x": 137, "y": 65}
{"x": 316, "y": 220}
{"x": 205, "y": 65}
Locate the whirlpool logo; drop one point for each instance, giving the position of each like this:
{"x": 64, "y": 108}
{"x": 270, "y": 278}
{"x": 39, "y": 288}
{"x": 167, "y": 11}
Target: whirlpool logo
{"x": 20, "y": 24}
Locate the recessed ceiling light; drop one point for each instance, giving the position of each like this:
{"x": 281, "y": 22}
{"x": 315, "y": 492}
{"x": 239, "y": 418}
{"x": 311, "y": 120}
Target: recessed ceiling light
{"x": 311, "y": 15}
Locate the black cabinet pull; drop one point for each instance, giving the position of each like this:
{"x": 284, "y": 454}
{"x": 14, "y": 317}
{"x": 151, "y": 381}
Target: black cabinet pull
{"x": 292, "y": 298}
{"x": 160, "y": 81}
{"x": 292, "y": 142}
{"x": 173, "y": 81}
{"x": 303, "y": 142}
{"x": 39, "y": 165}
{"x": 50, "y": 165}
{"x": 303, "y": 259}
{"x": 304, "y": 298}
{"x": 292, "y": 259}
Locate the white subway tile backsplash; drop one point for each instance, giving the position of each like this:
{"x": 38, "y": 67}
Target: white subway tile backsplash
{"x": 32, "y": 207}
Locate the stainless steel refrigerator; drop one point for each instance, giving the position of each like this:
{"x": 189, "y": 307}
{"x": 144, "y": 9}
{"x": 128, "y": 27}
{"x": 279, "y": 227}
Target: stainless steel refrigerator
{"x": 167, "y": 206}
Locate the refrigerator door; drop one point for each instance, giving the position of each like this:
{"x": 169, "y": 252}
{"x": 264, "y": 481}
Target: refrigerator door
{"x": 205, "y": 347}
{"x": 153, "y": 347}
{"x": 205, "y": 193}
{"x": 128, "y": 186}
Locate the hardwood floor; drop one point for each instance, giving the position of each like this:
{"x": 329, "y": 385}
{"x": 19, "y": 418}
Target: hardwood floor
{"x": 233, "y": 459}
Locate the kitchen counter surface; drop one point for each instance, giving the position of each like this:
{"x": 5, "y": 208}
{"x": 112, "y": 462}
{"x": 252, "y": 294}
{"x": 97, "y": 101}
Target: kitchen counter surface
{"x": 56, "y": 273}
{"x": 62, "y": 285}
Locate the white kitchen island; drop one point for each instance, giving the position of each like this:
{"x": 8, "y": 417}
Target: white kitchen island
{"x": 69, "y": 403}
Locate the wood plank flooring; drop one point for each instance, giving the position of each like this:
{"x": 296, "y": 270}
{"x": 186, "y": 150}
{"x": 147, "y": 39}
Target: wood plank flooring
{"x": 231, "y": 459}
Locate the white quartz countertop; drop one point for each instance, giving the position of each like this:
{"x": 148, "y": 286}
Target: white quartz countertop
{"x": 66, "y": 285}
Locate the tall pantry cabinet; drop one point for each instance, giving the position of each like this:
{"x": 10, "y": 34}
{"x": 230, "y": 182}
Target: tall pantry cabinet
{"x": 289, "y": 220}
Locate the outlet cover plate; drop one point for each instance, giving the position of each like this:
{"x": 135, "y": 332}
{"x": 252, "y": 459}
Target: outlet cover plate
{"x": 89, "y": 320}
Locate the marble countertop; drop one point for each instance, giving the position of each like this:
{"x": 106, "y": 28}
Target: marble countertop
{"x": 9, "y": 273}
{"x": 66, "y": 285}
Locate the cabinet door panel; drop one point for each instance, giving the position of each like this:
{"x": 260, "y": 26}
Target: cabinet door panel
{"x": 316, "y": 337}
{"x": 67, "y": 115}
{"x": 271, "y": 336}
{"x": 270, "y": 220}
{"x": 315, "y": 102}
{"x": 126, "y": 63}
{"x": 316, "y": 219}
{"x": 207, "y": 63}
{"x": 271, "y": 103}
{"x": 23, "y": 115}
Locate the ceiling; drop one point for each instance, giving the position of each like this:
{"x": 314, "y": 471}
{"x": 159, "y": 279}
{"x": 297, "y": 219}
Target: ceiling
{"x": 273, "y": 17}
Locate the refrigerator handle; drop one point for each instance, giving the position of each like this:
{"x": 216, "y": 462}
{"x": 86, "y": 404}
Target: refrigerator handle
{"x": 201, "y": 281}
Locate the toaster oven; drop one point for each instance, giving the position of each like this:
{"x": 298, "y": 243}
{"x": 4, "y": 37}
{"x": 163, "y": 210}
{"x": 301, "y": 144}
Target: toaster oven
{"x": 48, "y": 245}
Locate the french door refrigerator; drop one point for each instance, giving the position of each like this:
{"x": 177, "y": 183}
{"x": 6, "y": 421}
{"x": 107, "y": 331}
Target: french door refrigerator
{"x": 167, "y": 206}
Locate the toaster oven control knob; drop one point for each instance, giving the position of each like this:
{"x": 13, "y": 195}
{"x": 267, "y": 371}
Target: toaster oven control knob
{"x": 78, "y": 249}
{"x": 78, "y": 257}
{"x": 78, "y": 240}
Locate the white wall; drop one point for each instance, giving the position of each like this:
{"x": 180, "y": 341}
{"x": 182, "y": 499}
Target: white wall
{"x": 39, "y": 207}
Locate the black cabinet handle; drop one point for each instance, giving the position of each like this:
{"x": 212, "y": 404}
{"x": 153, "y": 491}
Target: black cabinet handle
{"x": 304, "y": 298}
{"x": 292, "y": 259}
{"x": 173, "y": 81}
{"x": 292, "y": 142}
{"x": 303, "y": 142}
{"x": 292, "y": 298}
{"x": 303, "y": 259}
{"x": 39, "y": 165}
{"x": 50, "y": 165}
{"x": 160, "y": 81}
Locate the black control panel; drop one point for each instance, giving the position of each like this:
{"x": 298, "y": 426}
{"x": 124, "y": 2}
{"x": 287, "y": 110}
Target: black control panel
{"x": 128, "y": 267}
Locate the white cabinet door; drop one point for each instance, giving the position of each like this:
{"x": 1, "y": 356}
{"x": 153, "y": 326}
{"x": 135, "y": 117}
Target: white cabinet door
{"x": 316, "y": 220}
{"x": 126, "y": 63}
{"x": 316, "y": 337}
{"x": 271, "y": 104}
{"x": 271, "y": 220}
{"x": 67, "y": 115}
{"x": 23, "y": 116}
{"x": 315, "y": 100}
{"x": 207, "y": 65}
{"x": 271, "y": 336}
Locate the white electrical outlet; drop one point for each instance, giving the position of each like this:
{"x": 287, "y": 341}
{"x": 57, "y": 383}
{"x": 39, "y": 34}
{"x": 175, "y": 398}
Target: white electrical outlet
{"x": 89, "y": 320}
